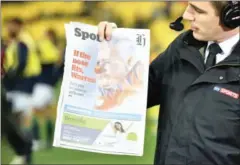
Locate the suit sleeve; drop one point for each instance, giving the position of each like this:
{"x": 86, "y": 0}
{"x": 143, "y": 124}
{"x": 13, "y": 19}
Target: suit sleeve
{"x": 157, "y": 72}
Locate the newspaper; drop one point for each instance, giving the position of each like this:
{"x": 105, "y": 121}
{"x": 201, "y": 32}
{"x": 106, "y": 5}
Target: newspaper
{"x": 103, "y": 97}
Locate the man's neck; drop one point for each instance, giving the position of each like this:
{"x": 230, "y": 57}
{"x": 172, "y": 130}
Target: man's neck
{"x": 228, "y": 35}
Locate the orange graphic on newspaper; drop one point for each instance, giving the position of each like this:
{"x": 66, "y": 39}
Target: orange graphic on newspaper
{"x": 118, "y": 76}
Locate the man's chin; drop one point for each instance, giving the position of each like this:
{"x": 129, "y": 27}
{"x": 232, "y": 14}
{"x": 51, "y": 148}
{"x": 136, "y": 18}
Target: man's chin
{"x": 198, "y": 36}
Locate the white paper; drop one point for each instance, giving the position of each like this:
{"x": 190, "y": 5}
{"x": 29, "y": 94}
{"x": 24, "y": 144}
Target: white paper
{"x": 102, "y": 103}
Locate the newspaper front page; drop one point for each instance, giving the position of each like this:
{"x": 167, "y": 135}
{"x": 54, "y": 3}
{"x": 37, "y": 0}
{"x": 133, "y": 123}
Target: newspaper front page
{"x": 103, "y": 97}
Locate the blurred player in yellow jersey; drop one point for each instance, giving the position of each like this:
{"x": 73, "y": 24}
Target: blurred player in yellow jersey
{"x": 21, "y": 66}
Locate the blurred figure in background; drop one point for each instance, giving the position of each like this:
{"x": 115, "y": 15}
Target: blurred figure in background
{"x": 43, "y": 92}
{"x": 88, "y": 8}
{"x": 167, "y": 9}
{"x": 21, "y": 65}
{"x": 20, "y": 143}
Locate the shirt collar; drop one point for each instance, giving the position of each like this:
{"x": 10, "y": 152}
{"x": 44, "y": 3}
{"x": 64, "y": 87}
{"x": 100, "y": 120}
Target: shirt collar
{"x": 228, "y": 45}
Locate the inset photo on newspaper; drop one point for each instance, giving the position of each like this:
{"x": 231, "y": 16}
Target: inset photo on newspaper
{"x": 119, "y": 74}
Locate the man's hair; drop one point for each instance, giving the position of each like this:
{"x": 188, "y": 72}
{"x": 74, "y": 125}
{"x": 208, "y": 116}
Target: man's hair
{"x": 218, "y": 6}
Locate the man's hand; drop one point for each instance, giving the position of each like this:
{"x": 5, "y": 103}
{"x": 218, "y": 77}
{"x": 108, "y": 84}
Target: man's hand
{"x": 105, "y": 30}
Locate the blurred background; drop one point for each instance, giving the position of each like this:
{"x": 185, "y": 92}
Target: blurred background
{"x": 42, "y": 25}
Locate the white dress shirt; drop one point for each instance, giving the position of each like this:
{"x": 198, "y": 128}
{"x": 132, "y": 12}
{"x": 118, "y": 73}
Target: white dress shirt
{"x": 227, "y": 47}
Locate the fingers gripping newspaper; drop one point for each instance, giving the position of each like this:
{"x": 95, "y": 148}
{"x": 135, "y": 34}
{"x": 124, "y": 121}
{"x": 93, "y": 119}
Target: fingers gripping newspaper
{"x": 102, "y": 103}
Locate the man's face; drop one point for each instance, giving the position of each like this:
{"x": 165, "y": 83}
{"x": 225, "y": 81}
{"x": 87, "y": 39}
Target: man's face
{"x": 204, "y": 21}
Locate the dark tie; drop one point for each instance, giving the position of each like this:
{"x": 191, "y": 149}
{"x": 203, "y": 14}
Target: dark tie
{"x": 214, "y": 49}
